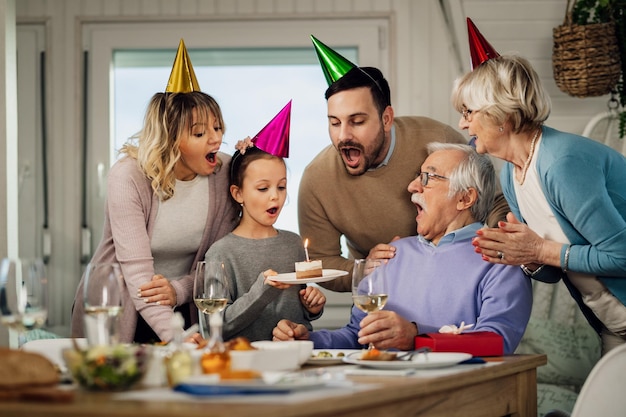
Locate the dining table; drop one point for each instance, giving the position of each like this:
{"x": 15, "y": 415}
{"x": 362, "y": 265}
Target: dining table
{"x": 497, "y": 386}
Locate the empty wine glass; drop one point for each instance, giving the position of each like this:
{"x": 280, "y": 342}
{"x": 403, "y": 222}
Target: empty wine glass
{"x": 103, "y": 302}
{"x": 210, "y": 294}
{"x": 369, "y": 286}
{"x": 23, "y": 294}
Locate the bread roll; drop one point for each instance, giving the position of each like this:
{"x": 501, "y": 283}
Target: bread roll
{"x": 20, "y": 369}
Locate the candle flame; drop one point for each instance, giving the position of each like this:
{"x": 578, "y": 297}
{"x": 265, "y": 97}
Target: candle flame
{"x": 306, "y": 250}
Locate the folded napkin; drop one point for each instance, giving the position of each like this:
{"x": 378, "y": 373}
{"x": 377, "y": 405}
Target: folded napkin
{"x": 209, "y": 390}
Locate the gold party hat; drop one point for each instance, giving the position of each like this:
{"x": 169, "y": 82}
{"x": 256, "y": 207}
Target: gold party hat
{"x": 182, "y": 78}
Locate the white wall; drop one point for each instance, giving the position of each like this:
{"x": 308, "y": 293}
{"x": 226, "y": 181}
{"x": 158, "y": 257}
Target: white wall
{"x": 423, "y": 64}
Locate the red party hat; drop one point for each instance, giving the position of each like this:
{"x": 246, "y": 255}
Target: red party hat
{"x": 274, "y": 137}
{"x": 480, "y": 49}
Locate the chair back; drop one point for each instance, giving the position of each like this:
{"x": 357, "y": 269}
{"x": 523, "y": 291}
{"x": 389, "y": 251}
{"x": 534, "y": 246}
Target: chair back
{"x": 604, "y": 392}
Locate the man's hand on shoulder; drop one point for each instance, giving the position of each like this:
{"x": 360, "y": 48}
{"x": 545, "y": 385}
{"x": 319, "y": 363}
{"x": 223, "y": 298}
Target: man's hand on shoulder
{"x": 383, "y": 251}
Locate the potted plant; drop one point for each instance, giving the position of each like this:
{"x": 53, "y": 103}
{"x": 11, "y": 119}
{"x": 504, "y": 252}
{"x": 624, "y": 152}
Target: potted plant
{"x": 586, "y": 12}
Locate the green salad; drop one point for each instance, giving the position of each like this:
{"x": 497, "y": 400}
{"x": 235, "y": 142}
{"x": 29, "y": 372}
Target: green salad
{"x": 115, "y": 367}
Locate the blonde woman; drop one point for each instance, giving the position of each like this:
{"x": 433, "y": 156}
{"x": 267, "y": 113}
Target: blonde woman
{"x": 167, "y": 201}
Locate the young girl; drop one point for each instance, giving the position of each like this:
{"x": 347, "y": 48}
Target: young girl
{"x": 255, "y": 250}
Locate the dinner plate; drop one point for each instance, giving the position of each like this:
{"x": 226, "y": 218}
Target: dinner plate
{"x": 419, "y": 361}
{"x": 290, "y": 278}
{"x": 335, "y": 359}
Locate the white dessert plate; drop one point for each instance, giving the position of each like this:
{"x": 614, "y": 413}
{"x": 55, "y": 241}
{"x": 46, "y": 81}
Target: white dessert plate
{"x": 335, "y": 358}
{"x": 290, "y": 278}
{"x": 419, "y": 361}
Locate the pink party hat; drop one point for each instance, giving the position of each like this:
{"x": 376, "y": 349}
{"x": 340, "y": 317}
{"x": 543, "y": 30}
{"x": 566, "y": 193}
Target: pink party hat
{"x": 274, "y": 137}
{"x": 480, "y": 49}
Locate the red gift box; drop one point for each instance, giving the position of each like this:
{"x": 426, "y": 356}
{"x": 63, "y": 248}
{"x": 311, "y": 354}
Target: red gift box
{"x": 475, "y": 343}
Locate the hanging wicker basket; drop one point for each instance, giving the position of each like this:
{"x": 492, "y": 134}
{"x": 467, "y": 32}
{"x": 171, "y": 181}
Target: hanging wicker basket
{"x": 585, "y": 58}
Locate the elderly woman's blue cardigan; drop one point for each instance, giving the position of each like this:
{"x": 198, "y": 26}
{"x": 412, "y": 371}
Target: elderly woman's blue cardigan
{"x": 584, "y": 183}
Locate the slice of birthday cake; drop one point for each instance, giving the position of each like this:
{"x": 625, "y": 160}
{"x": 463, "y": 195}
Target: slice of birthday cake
{"x": 309, "y": 269}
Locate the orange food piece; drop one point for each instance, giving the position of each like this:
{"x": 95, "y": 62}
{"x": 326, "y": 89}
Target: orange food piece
{"x": 239, "y": 374}
{"x": 215, "y": 362}
{"x": 377, "y": 355}
{"x": 239, "y": 343}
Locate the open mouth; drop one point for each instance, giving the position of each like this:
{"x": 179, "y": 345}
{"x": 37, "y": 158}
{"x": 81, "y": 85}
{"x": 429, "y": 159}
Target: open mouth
{"x": 419, "y": 204}
{"x": 211, "y": 157}
{"x": 352, "y": 156}
{"x": 273, "y": 210}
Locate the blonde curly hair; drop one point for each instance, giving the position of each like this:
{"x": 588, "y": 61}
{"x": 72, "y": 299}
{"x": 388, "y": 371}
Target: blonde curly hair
{"x": 156, "y": 147}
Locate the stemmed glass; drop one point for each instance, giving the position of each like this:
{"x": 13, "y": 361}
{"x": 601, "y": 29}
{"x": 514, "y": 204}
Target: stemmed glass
{"x": 103, "y": 302}
{"x": 369, "y": 286}
{"x": 210, "y": 294}
{"x": 23, "y": 295}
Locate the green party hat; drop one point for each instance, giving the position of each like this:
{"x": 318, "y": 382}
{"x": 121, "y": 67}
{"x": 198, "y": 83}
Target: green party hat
{"x": 333, "y": 65}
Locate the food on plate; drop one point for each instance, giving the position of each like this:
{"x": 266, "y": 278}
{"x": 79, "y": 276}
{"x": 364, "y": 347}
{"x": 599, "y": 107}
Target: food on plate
{"x": 378, "y": 355}
{"x": 309, "y": 269}
{"x": 239, "y": 374}
{"x": 220, "y": 362}
{"x": 326, "y": 354}
{"x": 239, "y": 343}
{"x": 215, "y": 362}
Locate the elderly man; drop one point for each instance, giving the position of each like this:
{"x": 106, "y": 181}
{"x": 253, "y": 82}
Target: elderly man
{"x": 437, "y": 277}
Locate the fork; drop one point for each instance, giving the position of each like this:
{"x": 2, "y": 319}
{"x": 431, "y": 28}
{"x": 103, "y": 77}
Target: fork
{"x": 409, "y": 355}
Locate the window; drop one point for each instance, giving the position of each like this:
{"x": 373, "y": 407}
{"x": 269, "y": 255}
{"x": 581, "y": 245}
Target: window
{"x": 276, "y": 47}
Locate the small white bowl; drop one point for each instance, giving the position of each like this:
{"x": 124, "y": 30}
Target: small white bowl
{"x": 305, "y": 347}
{"x": 268, "y": 356}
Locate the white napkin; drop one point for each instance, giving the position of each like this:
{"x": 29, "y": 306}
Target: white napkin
{"x": 452, "y": 328}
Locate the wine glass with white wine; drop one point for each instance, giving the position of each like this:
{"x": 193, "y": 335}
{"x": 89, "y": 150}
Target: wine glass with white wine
{"x": 103, "y": 303}
{"x": 23, "y": 294}
{"x": 210, "y": 294}
{"x": 369, "y": 286}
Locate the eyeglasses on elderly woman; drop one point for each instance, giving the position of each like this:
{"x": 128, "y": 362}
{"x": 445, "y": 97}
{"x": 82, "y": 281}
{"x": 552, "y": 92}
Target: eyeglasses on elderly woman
{"x": 467, "y": 113}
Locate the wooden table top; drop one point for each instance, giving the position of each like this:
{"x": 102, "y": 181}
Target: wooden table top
{"x": 388, "y": 392}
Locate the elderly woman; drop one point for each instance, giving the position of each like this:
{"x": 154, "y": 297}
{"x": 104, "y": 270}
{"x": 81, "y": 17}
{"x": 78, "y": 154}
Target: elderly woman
{"x": 567, "y": 193}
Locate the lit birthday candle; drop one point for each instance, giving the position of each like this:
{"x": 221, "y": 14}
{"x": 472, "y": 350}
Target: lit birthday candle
{"x": 306, "y": 249}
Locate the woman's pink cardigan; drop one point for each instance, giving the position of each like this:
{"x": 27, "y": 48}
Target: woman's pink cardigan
{"x": 130, "y": 213}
